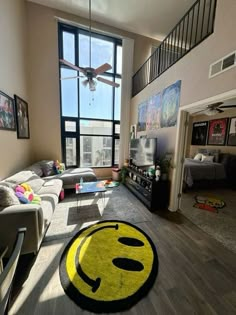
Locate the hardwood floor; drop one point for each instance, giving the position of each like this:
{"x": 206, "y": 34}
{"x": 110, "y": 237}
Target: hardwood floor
{"x": 197, "y": 275}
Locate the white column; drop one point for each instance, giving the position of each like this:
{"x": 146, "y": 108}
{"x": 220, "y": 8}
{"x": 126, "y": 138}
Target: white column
{"x": 126, "y": 92}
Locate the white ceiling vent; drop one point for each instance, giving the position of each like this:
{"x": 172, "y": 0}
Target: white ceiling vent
{"x": 223, "y": 64}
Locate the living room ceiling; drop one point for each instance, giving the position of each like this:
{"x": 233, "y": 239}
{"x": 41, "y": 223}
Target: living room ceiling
{"x": 151, "y": 18}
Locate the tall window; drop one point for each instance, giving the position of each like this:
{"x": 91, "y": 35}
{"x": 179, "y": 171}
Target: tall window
{"x": 90, "y": 121}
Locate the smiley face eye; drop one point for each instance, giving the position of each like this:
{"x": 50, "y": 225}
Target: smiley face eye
{"x": 130, "y": 241}
{"x": 128, "y": 264}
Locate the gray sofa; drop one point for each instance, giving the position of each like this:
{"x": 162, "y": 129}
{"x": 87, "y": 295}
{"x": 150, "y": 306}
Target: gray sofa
{"x": 35, "y": 218}
{"x": 70, "y": 177}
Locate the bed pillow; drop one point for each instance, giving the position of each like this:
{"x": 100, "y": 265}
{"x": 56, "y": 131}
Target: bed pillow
{"x": 198, "y": 157}
{"x": 207, "y": 158}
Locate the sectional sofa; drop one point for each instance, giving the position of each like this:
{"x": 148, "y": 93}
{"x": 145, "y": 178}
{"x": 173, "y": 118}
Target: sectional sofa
{"x": 36, "y": 218}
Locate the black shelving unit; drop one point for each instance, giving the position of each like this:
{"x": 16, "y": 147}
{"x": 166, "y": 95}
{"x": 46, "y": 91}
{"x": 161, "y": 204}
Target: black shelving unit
{"x": 154, "y": 194}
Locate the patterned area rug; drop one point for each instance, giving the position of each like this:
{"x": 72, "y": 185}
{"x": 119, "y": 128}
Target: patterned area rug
{"x": 108, "y": 266}
{"x": 212, "y": 204}
{"x": 221, "y": 225}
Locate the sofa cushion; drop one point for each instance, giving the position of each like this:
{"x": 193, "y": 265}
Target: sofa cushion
{"x": 7, "y": 197}
{"x": 48, "y": 204}
{"x": 51, "y": 187}
{"x": 36, "y": 184}
{"x": 21, "y": 177}
{"x": 72, "y": 176}
{"x": 36, "y": 168}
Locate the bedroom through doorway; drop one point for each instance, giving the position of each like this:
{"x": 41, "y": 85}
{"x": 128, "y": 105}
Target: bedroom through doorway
{"x": 208, "y": 194}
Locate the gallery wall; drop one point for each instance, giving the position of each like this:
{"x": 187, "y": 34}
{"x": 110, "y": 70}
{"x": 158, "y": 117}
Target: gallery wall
{"x": 15, "y": 153}
{"x": 157, "y": 118}
{"x": 193, "y": 149}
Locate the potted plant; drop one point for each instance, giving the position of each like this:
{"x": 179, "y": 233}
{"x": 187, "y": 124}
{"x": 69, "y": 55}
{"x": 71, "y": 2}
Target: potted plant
{"x": 165, "y": 164}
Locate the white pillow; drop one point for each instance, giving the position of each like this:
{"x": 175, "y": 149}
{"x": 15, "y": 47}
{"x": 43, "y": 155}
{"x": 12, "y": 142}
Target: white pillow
{"x": 198, "y": 157}
{"x": 207, "y": 158}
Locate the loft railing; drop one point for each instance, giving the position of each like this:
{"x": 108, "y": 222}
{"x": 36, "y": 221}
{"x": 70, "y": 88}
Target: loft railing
{"x": 195, "y": 26}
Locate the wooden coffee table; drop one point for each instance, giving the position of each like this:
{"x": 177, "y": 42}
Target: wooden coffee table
{"x": 91, "y": 188}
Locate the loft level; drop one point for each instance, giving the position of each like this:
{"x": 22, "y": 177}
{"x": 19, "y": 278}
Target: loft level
{"x": 195, "y": 26}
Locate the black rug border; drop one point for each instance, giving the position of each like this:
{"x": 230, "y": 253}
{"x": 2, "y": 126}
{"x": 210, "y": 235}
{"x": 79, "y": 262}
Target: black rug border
{"x": 107, "y": 306}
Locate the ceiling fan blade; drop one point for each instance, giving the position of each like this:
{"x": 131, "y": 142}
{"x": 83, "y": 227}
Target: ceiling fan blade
{"x": 72, "y": 66}
{"x": 227, "y": 106}
{"x": 76, "y": 77}
{"x": 108, "y": 82}
{"x": 103, "y": 68}
{"x": 219, "y": 110}
{"x": 200, "y": 111}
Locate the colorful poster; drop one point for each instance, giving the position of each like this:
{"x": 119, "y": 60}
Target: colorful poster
{"x": 170, "y": 105}
{"x": 232, "y": 132}
{"x": 199, "y": 133}
{"x": 154, "y": 113}
{"x": 217, "y": 131}
{"x": 142, "y": 117}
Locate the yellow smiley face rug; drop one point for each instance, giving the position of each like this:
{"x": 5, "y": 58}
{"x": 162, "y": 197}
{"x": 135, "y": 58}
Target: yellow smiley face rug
{"x": 108, "y": 266}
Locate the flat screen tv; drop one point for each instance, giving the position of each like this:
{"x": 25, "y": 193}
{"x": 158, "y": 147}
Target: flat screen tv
{"x": 143, "y": 151}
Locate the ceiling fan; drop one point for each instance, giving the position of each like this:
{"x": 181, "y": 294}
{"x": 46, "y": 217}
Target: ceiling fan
{"x": 88, "y": 72}
{"x": 214, "y": 109}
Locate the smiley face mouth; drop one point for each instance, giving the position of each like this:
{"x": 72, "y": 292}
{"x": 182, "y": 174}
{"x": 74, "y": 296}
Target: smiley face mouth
{"x": 120, "y": 262}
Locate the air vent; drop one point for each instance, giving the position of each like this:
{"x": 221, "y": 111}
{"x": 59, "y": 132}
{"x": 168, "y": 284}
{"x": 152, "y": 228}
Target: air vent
{"x": 223, "y": 64}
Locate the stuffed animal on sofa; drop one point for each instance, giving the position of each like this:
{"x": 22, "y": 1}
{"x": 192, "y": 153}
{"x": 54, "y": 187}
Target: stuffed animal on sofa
{"x": 25, "y": 194}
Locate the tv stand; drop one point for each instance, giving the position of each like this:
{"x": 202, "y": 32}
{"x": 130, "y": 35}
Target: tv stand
{"x": 154, "y": 194}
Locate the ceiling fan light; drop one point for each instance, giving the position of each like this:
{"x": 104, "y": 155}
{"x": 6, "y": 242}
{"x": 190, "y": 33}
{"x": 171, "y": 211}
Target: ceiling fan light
{"x": 92, "y": 85}
{"x": 211, "y": 112}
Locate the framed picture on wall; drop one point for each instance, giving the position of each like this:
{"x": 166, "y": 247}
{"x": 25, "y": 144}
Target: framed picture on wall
{"x": 217, "y": 131}
{"x": 199, "y": 133}
{"x": 232, "y": 132}
{"x": 7, "y": 112}
{"x": 22, "y": 118}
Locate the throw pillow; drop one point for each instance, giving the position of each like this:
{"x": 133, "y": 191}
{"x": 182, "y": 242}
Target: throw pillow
{"x": 198, "y": 157}
{"x": 207, "y": 158}
{"x": 7, "y": 197}
{"x": 47, "y": 167}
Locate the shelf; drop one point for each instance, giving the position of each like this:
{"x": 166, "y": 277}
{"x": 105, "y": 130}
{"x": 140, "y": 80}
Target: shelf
{"x": 140, "y": 175}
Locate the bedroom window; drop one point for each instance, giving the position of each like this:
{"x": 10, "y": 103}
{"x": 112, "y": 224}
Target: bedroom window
{"x": 90, "y": 121}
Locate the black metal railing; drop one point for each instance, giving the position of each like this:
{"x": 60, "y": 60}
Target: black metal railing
{"x": 196, "y": 25}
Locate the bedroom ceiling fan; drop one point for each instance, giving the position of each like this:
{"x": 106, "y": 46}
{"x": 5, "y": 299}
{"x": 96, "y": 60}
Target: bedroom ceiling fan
{"x": 88, "y": 72}
{"x": 214, "y": 109}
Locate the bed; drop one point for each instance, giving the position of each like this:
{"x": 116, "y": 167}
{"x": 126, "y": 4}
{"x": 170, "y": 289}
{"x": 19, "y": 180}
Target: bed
{"x": 195, "y": 170}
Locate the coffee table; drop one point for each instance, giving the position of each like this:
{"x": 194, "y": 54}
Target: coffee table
{"x": 91, "y": 188}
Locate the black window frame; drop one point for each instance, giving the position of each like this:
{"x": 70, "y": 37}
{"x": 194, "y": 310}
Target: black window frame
{"x": 113, "y": 75}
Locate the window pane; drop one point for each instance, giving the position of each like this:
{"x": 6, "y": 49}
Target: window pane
{"x": 97, "y": 104}
{"x": 95, "y": 127}
{"x": 69, "y": 93}
{"x": 69, "y": 47}
{"x": 101, "y": 51}
{"x": 119, "y": 60}
{"x": 117, "y": 129}
{"x": 117, "y": 100}
{"x": 95, "y": 153}
{"x": 70, "y": 126}
{"x": 117, "y": 146}
{"x": 70, "y": 151}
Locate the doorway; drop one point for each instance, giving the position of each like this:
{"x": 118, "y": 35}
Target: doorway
{"x": 219, "y": 223}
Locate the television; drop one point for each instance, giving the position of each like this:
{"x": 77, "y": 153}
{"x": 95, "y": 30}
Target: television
{"x": 143, "y": 151}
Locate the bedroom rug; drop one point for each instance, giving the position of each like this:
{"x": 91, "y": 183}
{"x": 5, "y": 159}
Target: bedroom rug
{"x": 108, "y": 266}
{"x": 221, "y": 225}
{"x": 212, "y": 204}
